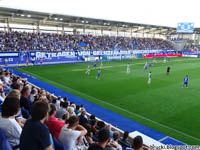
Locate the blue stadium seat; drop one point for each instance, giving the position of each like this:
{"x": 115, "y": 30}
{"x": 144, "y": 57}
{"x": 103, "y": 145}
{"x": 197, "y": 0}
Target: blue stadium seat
{"x": 4, "y": 145}
{"x": 58, "y": 145}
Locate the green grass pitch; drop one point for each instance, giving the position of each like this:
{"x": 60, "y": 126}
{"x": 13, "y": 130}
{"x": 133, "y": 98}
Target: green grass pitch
{"x": 163, "y": 105}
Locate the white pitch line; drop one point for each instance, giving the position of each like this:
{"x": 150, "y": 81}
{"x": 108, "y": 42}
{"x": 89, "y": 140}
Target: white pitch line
{"x": 134, "y": 114}
{"x": 163, "y": 138}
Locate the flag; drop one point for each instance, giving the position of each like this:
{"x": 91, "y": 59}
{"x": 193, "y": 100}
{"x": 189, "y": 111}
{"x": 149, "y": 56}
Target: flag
{"x": 134, "y": 44}
{"x": 116, "y": 47}
{"x": 82, "y": 44}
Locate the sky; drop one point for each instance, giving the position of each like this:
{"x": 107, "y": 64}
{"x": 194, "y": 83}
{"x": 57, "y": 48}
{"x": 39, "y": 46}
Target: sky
{"x": 153, "y": 12}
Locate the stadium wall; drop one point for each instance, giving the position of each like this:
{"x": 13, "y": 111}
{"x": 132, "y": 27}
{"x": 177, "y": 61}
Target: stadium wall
{"x": 21, "y": 58}
{"x": 191, "y": 54}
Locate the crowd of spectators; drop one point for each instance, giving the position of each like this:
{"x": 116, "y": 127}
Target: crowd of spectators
{"x": 33, "y": 119}
{"x": 24, "y": 41}
{"x": 178, "y": 39}
{"x": 192, "y": 48}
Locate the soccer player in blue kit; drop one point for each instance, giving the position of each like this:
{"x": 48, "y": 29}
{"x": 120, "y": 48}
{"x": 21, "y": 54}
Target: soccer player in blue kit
{"x": 95, "y": 65}
{"x": 186, "y": 79}
{"x": 98, "y": 74}
{"x": 146, "y": 66}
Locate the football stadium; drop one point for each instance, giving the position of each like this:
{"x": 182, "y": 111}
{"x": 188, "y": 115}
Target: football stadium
{"x": 85, "y": 75}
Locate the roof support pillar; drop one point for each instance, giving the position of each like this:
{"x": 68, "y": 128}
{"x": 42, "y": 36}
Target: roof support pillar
{"x": 84, "y": 30}
{"x": 63, "y": 29}
{"x": 38, "y": 27}
{"x": 7, "y": 23}
{"x": 131, "y": 32}
{"x": 101, "y": 31}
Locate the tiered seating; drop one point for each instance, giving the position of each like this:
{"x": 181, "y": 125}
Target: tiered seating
{"x": 21, "y": 41}
{"x": 192, "y": 48}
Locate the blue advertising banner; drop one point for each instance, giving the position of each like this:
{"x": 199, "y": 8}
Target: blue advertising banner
{"x": 21, "y": 58}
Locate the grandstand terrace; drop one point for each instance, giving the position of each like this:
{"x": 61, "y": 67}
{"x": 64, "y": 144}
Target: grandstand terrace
{"x": 28, "y": 30}
{"x": 24, "y": 41}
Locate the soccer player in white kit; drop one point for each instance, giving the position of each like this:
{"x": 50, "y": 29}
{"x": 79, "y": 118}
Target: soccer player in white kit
{"x": 101, "y": 65}
{"x": 165, "y": 60}
{"x": 128, "y": 68}
{"x": 88, "y": 70}
{"x": 149, "y": 78}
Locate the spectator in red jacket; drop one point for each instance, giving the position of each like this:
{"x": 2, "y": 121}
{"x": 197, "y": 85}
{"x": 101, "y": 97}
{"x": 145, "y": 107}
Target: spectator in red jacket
{"x": 53, "y": 123}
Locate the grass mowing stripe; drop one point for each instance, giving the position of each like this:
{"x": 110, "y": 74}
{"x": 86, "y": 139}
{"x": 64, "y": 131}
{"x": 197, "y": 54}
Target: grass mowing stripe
{"x": 135, "y": 114}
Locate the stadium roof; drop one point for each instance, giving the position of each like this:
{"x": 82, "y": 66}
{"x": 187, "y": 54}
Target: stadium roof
{"x": 19, "y": 16}
{"x": 33, "y": 17}
{"x": 152, "y": 12}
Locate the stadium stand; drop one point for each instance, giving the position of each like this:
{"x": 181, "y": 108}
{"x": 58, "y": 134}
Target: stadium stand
{"x": 42, "y": 101}
{"x": 23, "y": 41}
{"x": 61, "y": 110}
{"x": 192, "y": 48}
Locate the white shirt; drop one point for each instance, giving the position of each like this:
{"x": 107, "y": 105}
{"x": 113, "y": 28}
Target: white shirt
{"x": 11, "y": 129}
{"x": 1, "y": 99}
{"x": 128, "y": 66}
{"x": 1, "y": 82}
{"x": 57, "y": 104}
{"x": 69, "y": 137}
{"x": 149, "y": 75}
{"x": 7, "y": 79}
{"x": 118, "y": 145}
